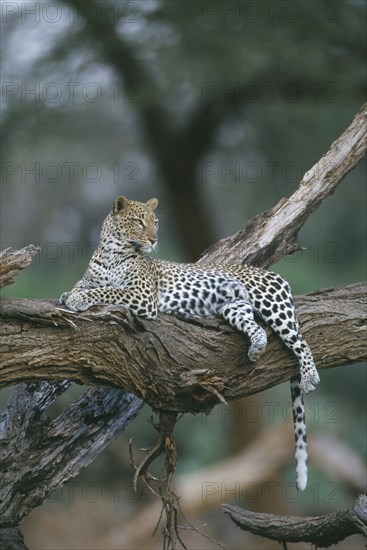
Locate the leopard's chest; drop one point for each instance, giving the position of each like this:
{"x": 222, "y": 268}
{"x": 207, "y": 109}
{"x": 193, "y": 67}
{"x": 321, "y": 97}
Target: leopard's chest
{"x": 114, "y": 268}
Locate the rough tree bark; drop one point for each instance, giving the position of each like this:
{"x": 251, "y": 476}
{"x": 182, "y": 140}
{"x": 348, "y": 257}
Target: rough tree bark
{"x": 55, "y": 450}
{"x": 12, "y": 262}
{"x": 322, "y": 531}
{"x": 171, "y": 364}
{"x": 203, "y": 361}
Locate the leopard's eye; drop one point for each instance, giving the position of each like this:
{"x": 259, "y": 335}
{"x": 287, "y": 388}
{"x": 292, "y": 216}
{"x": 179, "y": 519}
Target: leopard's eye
{"x": 139, "y": 223}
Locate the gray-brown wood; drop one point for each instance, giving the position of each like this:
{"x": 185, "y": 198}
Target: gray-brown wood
{"x": 322, "y": 531}
{"x": 276, "y": 229}
{"x": 38, "y": 455}
{"x": 170, "y": 363}
{"x": 11, "y": 538}
{"x": 13, "y": 261}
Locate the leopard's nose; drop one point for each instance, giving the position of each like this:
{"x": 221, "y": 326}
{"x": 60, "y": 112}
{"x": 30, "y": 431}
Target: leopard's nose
{"x": 153, "y": 240}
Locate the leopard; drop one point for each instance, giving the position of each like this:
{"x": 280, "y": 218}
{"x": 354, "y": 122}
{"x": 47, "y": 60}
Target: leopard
{"x": 121, "y": 271}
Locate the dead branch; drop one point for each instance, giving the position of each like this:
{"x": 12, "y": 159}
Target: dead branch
{"x": 165, "y": 443}
{"x": 171, "y": 364}
{"x": 34, "y": 449}
{"x": 258, "y": 464}
{"x": 11, "y": 538}
{"x": 12, "y": 262}
{"x": 319, "y": 530}
{"x": 276, "y": 229}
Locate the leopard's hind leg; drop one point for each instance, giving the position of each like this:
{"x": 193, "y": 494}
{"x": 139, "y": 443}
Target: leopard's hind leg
{"x": 277, "y": 310}
{"x": 238, "y": 312}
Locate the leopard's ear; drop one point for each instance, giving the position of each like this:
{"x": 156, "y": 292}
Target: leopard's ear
{"x": 152, "y": 203}
{"x": 120, "y": 204}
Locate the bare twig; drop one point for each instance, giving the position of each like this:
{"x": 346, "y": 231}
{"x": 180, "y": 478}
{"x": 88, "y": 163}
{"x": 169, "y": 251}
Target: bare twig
{"x": 165, "y": 443}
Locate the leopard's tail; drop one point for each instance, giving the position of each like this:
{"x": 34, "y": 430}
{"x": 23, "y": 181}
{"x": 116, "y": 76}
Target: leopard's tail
{"x": 299, "y": 420}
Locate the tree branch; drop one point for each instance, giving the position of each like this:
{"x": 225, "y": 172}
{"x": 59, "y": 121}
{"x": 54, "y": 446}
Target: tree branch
{"x": 12, "y": 262}
{"x": 55, "y": 450}
{"x": 276, "y": 229}
{"x": 178, "y": 151}
{"x": 321, "y": 531}
{"x": 204, "y": 489}
{"x": 171, "y": 364}
{"x": 11, "y": 538}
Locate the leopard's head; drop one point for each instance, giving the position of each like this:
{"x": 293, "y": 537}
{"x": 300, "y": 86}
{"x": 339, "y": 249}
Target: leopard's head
{"x": 135, "y": 222}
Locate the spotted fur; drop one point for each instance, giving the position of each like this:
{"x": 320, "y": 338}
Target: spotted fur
{"x": 121, "y": 272}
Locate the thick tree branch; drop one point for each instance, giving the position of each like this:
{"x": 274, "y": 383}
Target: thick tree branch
{"x": 171, "y": 364}
{"x": 177, "y": 150}
{"x": 276, "y": 229}
{"x": 260, "y": 462}
{"x": 322, "y": 531}
{"x": 55, "y": 451}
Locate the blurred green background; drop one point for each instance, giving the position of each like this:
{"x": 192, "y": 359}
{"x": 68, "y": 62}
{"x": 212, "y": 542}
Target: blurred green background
{"x": 217, "y": 108}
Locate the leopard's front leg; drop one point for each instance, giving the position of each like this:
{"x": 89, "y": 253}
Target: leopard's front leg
{"x": 81, "y": 300}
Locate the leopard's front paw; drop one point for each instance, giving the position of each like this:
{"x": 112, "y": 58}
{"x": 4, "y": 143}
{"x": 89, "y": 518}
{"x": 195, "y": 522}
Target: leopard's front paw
{"x": 77, "y": 301}
{"x": 63, "y": 297}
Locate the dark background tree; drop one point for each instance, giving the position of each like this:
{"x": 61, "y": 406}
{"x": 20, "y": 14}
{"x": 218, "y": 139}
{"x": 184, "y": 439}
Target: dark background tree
{"x": 218, "y": 108}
